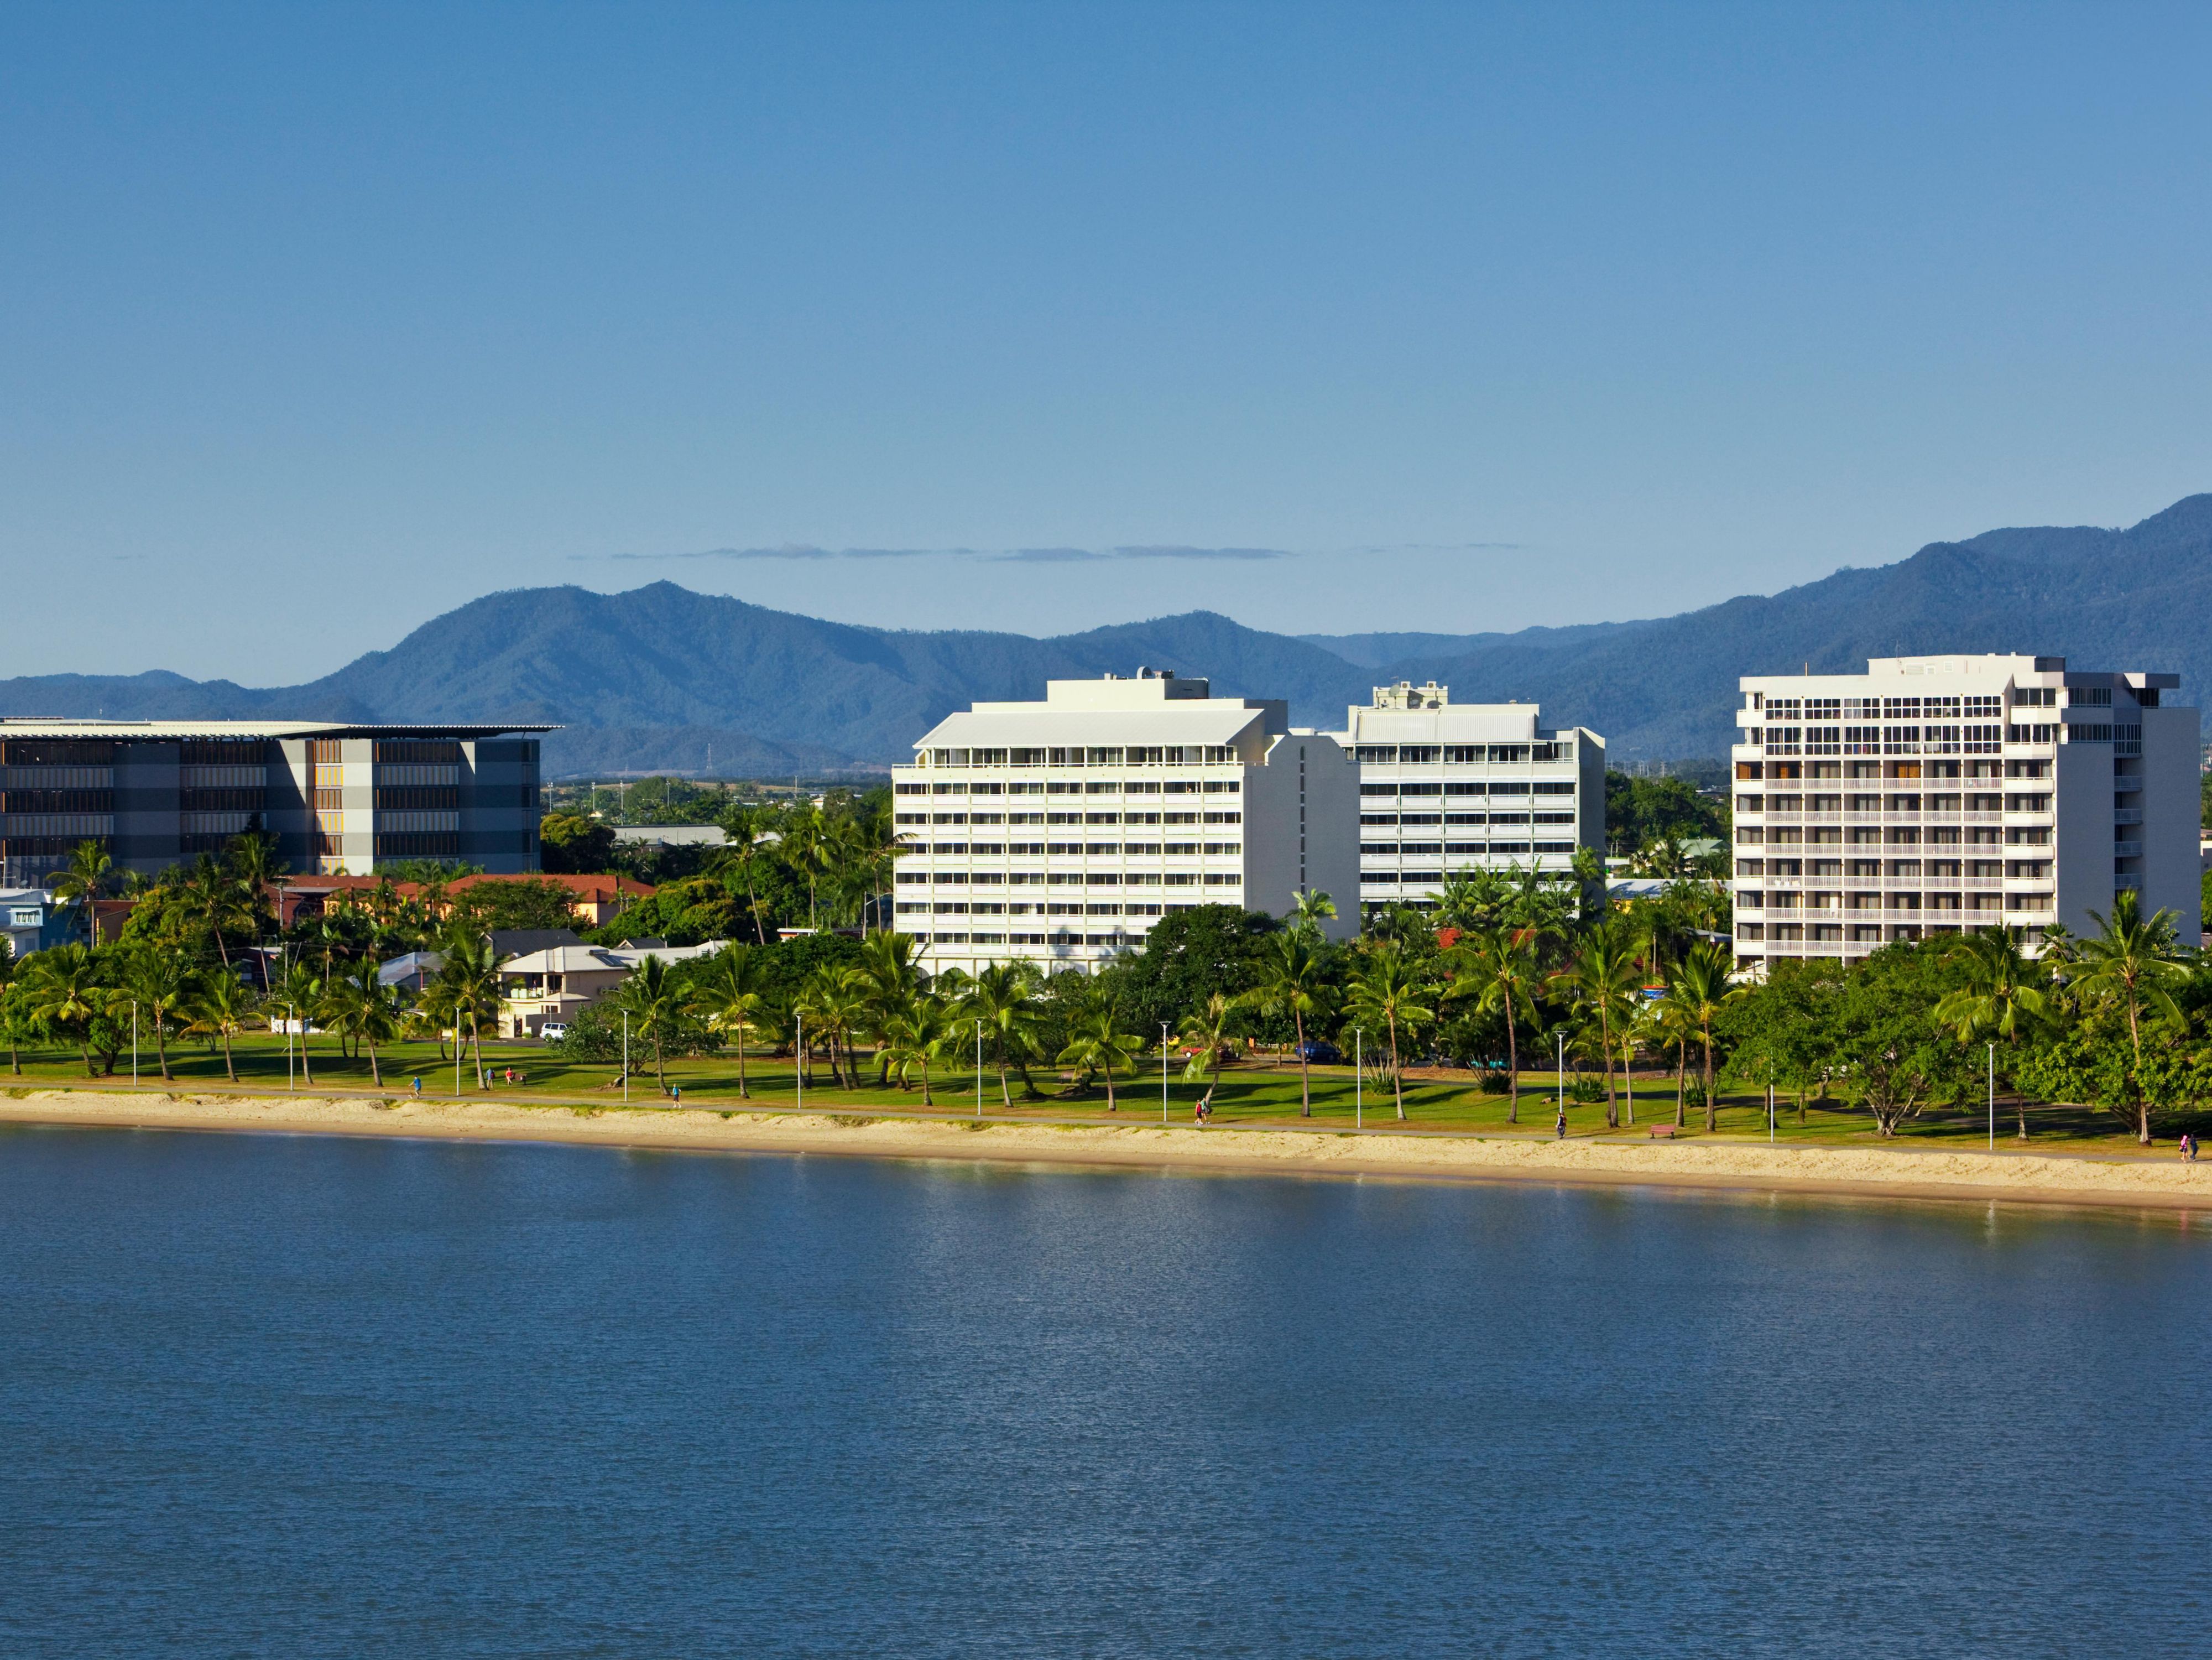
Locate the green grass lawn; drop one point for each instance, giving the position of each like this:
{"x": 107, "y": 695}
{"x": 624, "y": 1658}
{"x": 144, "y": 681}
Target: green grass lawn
{"x": 1247, "y": 1094}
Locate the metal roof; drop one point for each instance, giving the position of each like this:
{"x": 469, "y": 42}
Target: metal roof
{"x": 1200, "y": 721}
{"x": 40, "y": 725}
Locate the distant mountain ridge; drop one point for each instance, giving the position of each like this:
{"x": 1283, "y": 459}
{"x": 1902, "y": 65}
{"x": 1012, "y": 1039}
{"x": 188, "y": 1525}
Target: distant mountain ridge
{"x": 660, "y": 678}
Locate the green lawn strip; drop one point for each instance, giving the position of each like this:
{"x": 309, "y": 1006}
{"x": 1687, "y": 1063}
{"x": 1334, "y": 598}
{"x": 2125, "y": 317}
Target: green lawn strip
{"x": 1246, "y": 1096}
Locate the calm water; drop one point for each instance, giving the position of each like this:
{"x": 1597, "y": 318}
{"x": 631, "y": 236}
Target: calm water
{"x": 276, "y": 1396}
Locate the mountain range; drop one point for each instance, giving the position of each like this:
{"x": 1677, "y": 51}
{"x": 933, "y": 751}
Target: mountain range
{"x": 662, "y": 679}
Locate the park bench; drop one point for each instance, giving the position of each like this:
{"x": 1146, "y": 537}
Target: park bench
{"x": 1665, "y": 1130}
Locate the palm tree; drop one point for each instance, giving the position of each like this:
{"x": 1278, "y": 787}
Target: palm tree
{"x": 2131, "y": 962}
{"x": 220, "y": 1008}
{"x": 88, "y": 875}
{"x": 1292, "y": 978}
{"x": 891, "y": 978}
{"x": 212, "y": 898}
{"x": 1700, "y": 980}
{"x": 467, "y": 987}
{"x": 1495, "y": 965}
{"x": 1391, "y": 989}
{"x": 160, "y": 985}
{"x": 654, "y": 999}
{"x": 255, "y": 869}
{"x": 1473, "y": 900}
{"x": 917, "y": 1034}
{"x": 1675, "y": 1030}
{"x": 9, "y": 1008}
{"x": 1603, "y": 976}
{"x": 836, "y": 1000}
{"x": 729, "y": 993}
{"x": 65, "y": 992}
{"x": 2001, "y": 996}
{"x": 1310, "y": 910}
{"x": 1206, "y": 1032}
{"x": 1097, "y": 1044}
{"x": 1003, "y": 996}
{"x": 746, "y": 846}
{"x": 365, "y": 1009}
{"x": 1640, "y": 1028}
{"x": 804, "y": 845}
{"x": 302, "y": 992}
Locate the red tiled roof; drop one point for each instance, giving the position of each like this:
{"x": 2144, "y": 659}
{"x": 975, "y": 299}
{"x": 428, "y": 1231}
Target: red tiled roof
{"x": 593, "y": 886}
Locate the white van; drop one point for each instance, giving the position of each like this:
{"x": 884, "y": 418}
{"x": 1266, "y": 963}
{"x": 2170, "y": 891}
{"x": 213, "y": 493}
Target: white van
{"x": 554, "y": 1031}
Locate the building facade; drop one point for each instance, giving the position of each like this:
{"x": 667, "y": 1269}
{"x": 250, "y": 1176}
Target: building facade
{"x": 1942, "y": 795}
{"x": 1060, "y": 831}
{"x": 339, "y": 799}
{"x": 560, "y": 981}
{"x": 1446, "y": 788}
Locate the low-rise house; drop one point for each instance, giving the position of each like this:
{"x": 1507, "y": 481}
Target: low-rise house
{"x": 31, "y": 920}
{"x": 415, "y": 970}
{"x": 559, "y": 983}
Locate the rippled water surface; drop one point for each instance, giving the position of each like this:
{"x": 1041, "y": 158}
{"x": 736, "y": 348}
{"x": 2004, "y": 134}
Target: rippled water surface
{"x": 293, "y": 1396}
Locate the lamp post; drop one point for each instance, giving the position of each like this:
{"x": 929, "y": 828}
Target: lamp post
{"x": 1358, "y": 1078}
{"x": 979, "y": 1068}
{"x": 625, "y": 1057}
{"x": 1164, "y": 1074}
{"x": 134, "y": 1040}
{"x": 1993, "y": 1098}
{"x": 799, "y": 1063}
{"x": 1561, "y": 1036}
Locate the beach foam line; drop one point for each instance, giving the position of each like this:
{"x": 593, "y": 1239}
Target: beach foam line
{"x": 2155, "y": 1183}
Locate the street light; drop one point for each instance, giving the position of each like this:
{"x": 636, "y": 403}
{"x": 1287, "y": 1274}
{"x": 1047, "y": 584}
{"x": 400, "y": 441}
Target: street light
{"x": 1359, "y": 1078}
{"x": 979, "y": 1068}
{"x": 1562, "y": 1036}
{"x": 1164, "y": 1074}
{"x": 1993, "y": 1098}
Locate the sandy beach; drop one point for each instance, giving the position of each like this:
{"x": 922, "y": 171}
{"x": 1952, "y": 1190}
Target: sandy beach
{"x": 2160, "y": 1182}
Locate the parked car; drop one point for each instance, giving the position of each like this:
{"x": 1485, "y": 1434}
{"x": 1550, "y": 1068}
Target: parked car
{"x": 554, "y": 1031}
{"x": 1320, "y": 1054}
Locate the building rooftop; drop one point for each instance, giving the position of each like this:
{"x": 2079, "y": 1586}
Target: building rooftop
{"x": 2017, "y": 666}
{"x": 1158, "y": 706}
{"x": 45, "y": 725}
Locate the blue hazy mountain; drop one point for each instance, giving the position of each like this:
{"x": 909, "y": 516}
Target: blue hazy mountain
{"x": 664, "y": 677}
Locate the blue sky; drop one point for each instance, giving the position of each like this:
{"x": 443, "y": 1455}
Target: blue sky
{"x": 314, "y": 323}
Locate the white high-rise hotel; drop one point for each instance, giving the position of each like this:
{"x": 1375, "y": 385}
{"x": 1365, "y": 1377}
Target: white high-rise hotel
{"x": 1937, "y": 795}
{"x": 1446, "y": 788}
{"x": 1061, "y": 831}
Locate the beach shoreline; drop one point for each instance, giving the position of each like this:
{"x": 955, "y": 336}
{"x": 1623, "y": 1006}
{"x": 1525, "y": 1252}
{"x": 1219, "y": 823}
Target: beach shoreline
{"x": 2133, "y": 1183}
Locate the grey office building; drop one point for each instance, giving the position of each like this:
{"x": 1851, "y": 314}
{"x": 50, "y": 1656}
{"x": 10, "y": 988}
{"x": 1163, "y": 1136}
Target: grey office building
{"x": 341, "y": 799}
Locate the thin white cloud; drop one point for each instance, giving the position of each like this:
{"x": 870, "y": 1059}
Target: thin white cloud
{"x": 805, "y": 553}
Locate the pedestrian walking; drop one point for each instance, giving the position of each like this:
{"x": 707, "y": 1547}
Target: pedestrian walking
{"x": 418, "y": 1089}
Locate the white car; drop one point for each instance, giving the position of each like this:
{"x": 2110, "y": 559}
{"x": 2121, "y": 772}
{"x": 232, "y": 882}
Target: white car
{"x": 554, "y": 1031}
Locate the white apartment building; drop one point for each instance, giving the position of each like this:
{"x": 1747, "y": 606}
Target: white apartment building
{"x": 1936, "y": 794}
{"x": 1446, "y": 786}
{"x": 1060, "y": 831}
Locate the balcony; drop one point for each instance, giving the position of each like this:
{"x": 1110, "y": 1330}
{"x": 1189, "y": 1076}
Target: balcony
{"x": 2127, "y": 849}
{"x": 2127, "y": 815}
